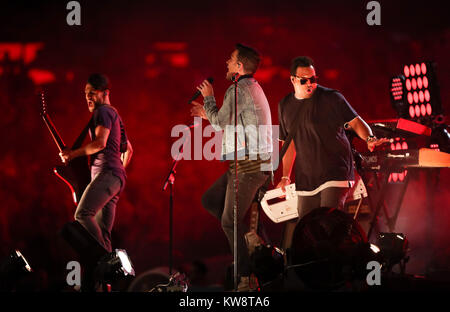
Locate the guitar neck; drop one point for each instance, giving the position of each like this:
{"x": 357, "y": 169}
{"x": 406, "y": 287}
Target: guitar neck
{"x": 55, "y": 135}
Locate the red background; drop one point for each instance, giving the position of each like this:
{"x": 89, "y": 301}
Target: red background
{"x": 155, "y": 55}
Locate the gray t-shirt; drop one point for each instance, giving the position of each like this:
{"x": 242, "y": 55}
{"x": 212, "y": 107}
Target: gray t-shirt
{"x": 109, "y": 157}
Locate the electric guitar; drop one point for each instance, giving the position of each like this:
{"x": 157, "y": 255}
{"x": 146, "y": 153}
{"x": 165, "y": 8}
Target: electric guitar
{"x": 76, "y": 173}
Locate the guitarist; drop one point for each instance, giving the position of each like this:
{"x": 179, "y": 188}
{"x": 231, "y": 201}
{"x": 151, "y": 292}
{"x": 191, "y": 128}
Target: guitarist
{"x": 110, "y": 152}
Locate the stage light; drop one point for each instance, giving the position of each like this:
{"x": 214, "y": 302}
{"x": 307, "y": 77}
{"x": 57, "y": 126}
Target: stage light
{"x": 423, "y": 110}
{"x": 416, "y": 97}
{"x": 374, "y": 248}
{"x": 415, "y": 94}
{"x": 15, "y": 263}
{"x": 398, "y": 89}
{"x": 114, "y": 266}
{"x": 425, "y": 82}
{"x": 412, "y": 70}
{"x": 393, "y": 249}
{"x": 419, "y": 83}
{"x": 417, "y": 69}
{"x": 14, "y": 267}
{"x": 414, "y": 83}
{"x": 400, "y": 144}
{"x": 417, "y": 107}
{"x": 421, "y": 96}
{"x": 424, "y": 68}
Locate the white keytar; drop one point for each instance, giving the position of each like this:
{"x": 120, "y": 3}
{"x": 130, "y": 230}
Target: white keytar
{"x": 283, "y": 210}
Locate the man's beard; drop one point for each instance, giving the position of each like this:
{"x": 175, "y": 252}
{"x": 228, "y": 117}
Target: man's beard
{"x": 98, "y": 103}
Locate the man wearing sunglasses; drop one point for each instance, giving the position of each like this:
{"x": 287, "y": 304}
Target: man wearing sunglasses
{"x": 317, "y": 116}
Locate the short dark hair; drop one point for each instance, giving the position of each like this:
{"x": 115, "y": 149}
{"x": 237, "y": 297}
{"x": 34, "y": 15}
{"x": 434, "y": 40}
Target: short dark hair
{"x": 300, "y": 61}
{"x": 99, "y": 82}
{"x": 249, "y": 58}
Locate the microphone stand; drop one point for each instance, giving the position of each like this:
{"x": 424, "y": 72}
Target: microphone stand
{"x": 170, "y": 180}
{"x": 236, "y": 186}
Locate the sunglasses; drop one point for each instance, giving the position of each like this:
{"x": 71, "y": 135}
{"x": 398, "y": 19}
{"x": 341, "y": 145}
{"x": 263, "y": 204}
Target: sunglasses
{"x": 312, "y": 79}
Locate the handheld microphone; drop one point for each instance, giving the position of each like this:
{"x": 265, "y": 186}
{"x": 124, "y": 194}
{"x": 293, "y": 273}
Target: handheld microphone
{"x": 196, "y": 94}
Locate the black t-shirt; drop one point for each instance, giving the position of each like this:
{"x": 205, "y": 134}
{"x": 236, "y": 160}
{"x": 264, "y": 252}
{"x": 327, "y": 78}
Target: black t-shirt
{"x": 323, "y": 150}
{"x": 109, "y": 157}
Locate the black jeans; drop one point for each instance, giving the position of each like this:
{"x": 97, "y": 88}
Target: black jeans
{"x": 97, "y": 207}
{"x": 219, "y": 201}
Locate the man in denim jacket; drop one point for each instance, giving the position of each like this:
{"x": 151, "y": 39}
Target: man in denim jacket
{"x": 254, "y": 148}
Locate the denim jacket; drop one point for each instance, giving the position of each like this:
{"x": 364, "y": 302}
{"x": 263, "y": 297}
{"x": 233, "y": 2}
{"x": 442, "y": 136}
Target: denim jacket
{"x": 254, "y": 120}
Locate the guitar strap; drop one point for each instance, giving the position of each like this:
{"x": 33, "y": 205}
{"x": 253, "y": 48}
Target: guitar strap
{"x": 82, "y": 135}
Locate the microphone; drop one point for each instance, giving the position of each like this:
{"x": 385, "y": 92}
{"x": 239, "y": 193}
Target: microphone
{"x": 196, "y": 94}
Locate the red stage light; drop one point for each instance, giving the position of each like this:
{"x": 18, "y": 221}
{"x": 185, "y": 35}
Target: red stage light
{"x": 411, "y": 111}
{"x": 410, "y": 98}
{"x": 41, "y": 76}
{"x": 412, "y": 71}
{"x": 399, "y": 145}
{"x": 417, "y": 69}
{"x": 179, "y": 59}
{"x": 427, "y": 95}
{"x": 417, "y": 110}
{"x": 423, "y": 110}
{"x": 419, "y": 83}
{"x": 404, "y": 145}
{"x": 408, "y": 84}
{"x": 425, "y": 82}
{"x": 421, "y": 96}
{"x": 424, "y": 68}
{"x": 429, "y": 109}
{"x": 395, "y": 176}
{"x": 416, "y": 97}
{"x": 406, "y": 70}
{"x": 392, "y": 147}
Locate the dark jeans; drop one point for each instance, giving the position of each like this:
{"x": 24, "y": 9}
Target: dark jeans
{"x": 331, "y": 197}
{"x": 219, "y": 201}
{"x": 97, "y": 207}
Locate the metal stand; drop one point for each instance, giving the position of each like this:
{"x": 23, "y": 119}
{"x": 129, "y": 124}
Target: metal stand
{"x": 170, "y": 180}
{"x": 390, "y": 221}
{"x": 236, "y": 187}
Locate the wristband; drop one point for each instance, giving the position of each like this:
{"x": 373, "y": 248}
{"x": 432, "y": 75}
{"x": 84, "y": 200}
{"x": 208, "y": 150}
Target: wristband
{"x": 285, "y": 177}
{"x": 371, "y": 138}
